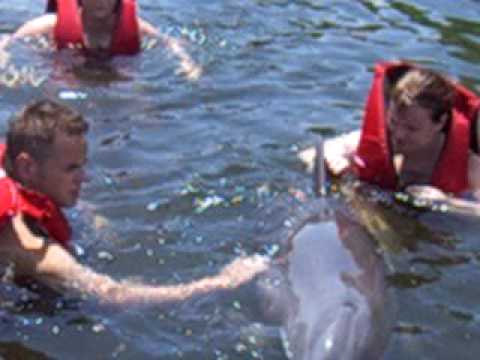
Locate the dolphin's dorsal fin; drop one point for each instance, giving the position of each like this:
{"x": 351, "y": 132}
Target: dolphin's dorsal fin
{"x": 319, "y": 171}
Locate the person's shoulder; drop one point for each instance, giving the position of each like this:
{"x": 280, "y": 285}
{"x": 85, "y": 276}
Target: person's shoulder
{"x": 146, "y": 28}
{"x": 474, "y": 171}
{"x": 40, "y": 25}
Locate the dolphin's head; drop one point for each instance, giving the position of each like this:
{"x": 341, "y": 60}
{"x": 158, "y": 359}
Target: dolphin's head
{"x": 328, "y": 288}
{"x": 350, "y": 333}
{"x": 274, "y": 291}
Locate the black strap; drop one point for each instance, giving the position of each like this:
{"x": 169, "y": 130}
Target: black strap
{"x": 474, "y": 145}
{"x": 319, "y": 170}
{"x": 52, "y": 6}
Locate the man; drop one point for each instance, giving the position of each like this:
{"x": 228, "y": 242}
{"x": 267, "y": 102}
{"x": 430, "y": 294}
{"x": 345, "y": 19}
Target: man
{"x": 44, "y": 161}
{"x": 101, "y": 29}
{"x": 416, "y": 131}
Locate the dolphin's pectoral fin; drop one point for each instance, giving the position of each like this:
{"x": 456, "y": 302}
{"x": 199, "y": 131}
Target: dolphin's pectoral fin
{"x": 295, "y": 344}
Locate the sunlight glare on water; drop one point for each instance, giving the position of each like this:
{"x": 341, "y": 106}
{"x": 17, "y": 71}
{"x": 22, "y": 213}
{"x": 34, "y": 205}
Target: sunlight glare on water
{"x": 185, "y": 174}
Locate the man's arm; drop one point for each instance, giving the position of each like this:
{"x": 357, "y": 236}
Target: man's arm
{"x": 339, "y": 152}
{"x": 57, "y": 268}
{"x": 188, "y": 67}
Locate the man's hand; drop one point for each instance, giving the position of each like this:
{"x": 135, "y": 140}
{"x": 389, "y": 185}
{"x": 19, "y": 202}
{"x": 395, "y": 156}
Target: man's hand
{"x": 339, "y": 153}
{"x": 27, "y": 239}
{"x": 242, "y": 270}
{"x": 337, "y": 160}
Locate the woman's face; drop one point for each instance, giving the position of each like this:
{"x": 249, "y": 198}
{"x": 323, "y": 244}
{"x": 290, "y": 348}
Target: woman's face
{"x": 411, "y": 128}
{"x": 99, "y": 9}
{"x": 98, "y": 17}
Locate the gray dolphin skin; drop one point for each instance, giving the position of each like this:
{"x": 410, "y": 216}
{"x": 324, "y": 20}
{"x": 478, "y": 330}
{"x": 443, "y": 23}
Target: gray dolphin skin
{"x": 328, "y": 292}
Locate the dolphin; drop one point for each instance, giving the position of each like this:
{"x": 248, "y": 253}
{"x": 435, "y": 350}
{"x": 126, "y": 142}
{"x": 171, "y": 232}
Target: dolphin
{"x": 328, "y": 292}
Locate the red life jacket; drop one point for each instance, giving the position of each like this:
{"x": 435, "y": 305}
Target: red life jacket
{"x": 451, "y": 171}
{"x": 14, "y": 198}
{"x": 69, "y": 29}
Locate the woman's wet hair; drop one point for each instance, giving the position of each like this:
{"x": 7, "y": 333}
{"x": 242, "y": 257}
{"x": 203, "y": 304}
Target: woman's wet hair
{"x": 52, "y": 5}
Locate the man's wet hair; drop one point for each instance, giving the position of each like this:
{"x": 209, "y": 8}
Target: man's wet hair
{"x": 426, "y": 88}
{"x": 34, "y": 129}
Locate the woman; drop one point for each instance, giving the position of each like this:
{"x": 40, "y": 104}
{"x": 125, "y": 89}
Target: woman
{"x": 100, "y": 29}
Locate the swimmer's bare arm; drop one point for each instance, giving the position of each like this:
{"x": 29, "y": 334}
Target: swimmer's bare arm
{"x": 146, "y": 28}
{"x": 455, "y": 204}
{"x": 474, "y": 173}
{"x": 53, "y": 265}
{"x": 338, "y": 153}
{"x": 187, "y": 66}
{"x": 42, "y": 25}
{"x": 4, "y": 55}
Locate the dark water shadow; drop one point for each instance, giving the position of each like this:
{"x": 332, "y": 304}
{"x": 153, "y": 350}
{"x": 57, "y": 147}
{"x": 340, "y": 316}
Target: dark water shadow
{"x": 15, "y": 350}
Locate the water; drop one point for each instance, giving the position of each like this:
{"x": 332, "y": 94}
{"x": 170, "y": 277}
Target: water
{"x": 276, "y": 72}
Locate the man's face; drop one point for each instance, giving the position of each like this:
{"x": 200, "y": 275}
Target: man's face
{"x": 411, "y": 128}
{"x": 61, "y": 174}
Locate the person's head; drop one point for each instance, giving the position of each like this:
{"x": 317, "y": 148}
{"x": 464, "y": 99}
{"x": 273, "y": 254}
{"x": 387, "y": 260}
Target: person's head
{"x": 420, "y": 110}
{"x": 47, "y": 149}
{"x": 99, "y": 19}
{"x": 100, "y": 9}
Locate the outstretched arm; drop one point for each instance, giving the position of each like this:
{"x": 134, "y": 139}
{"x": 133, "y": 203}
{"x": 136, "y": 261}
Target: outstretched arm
{"x": 188, "y": 67}
{"x": 53, "y": 265}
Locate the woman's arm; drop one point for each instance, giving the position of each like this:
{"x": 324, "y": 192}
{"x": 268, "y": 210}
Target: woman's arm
{"x": 188, "y": 67}
{"x": 42, "y": 25}
{"x": 146, "y": 28}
